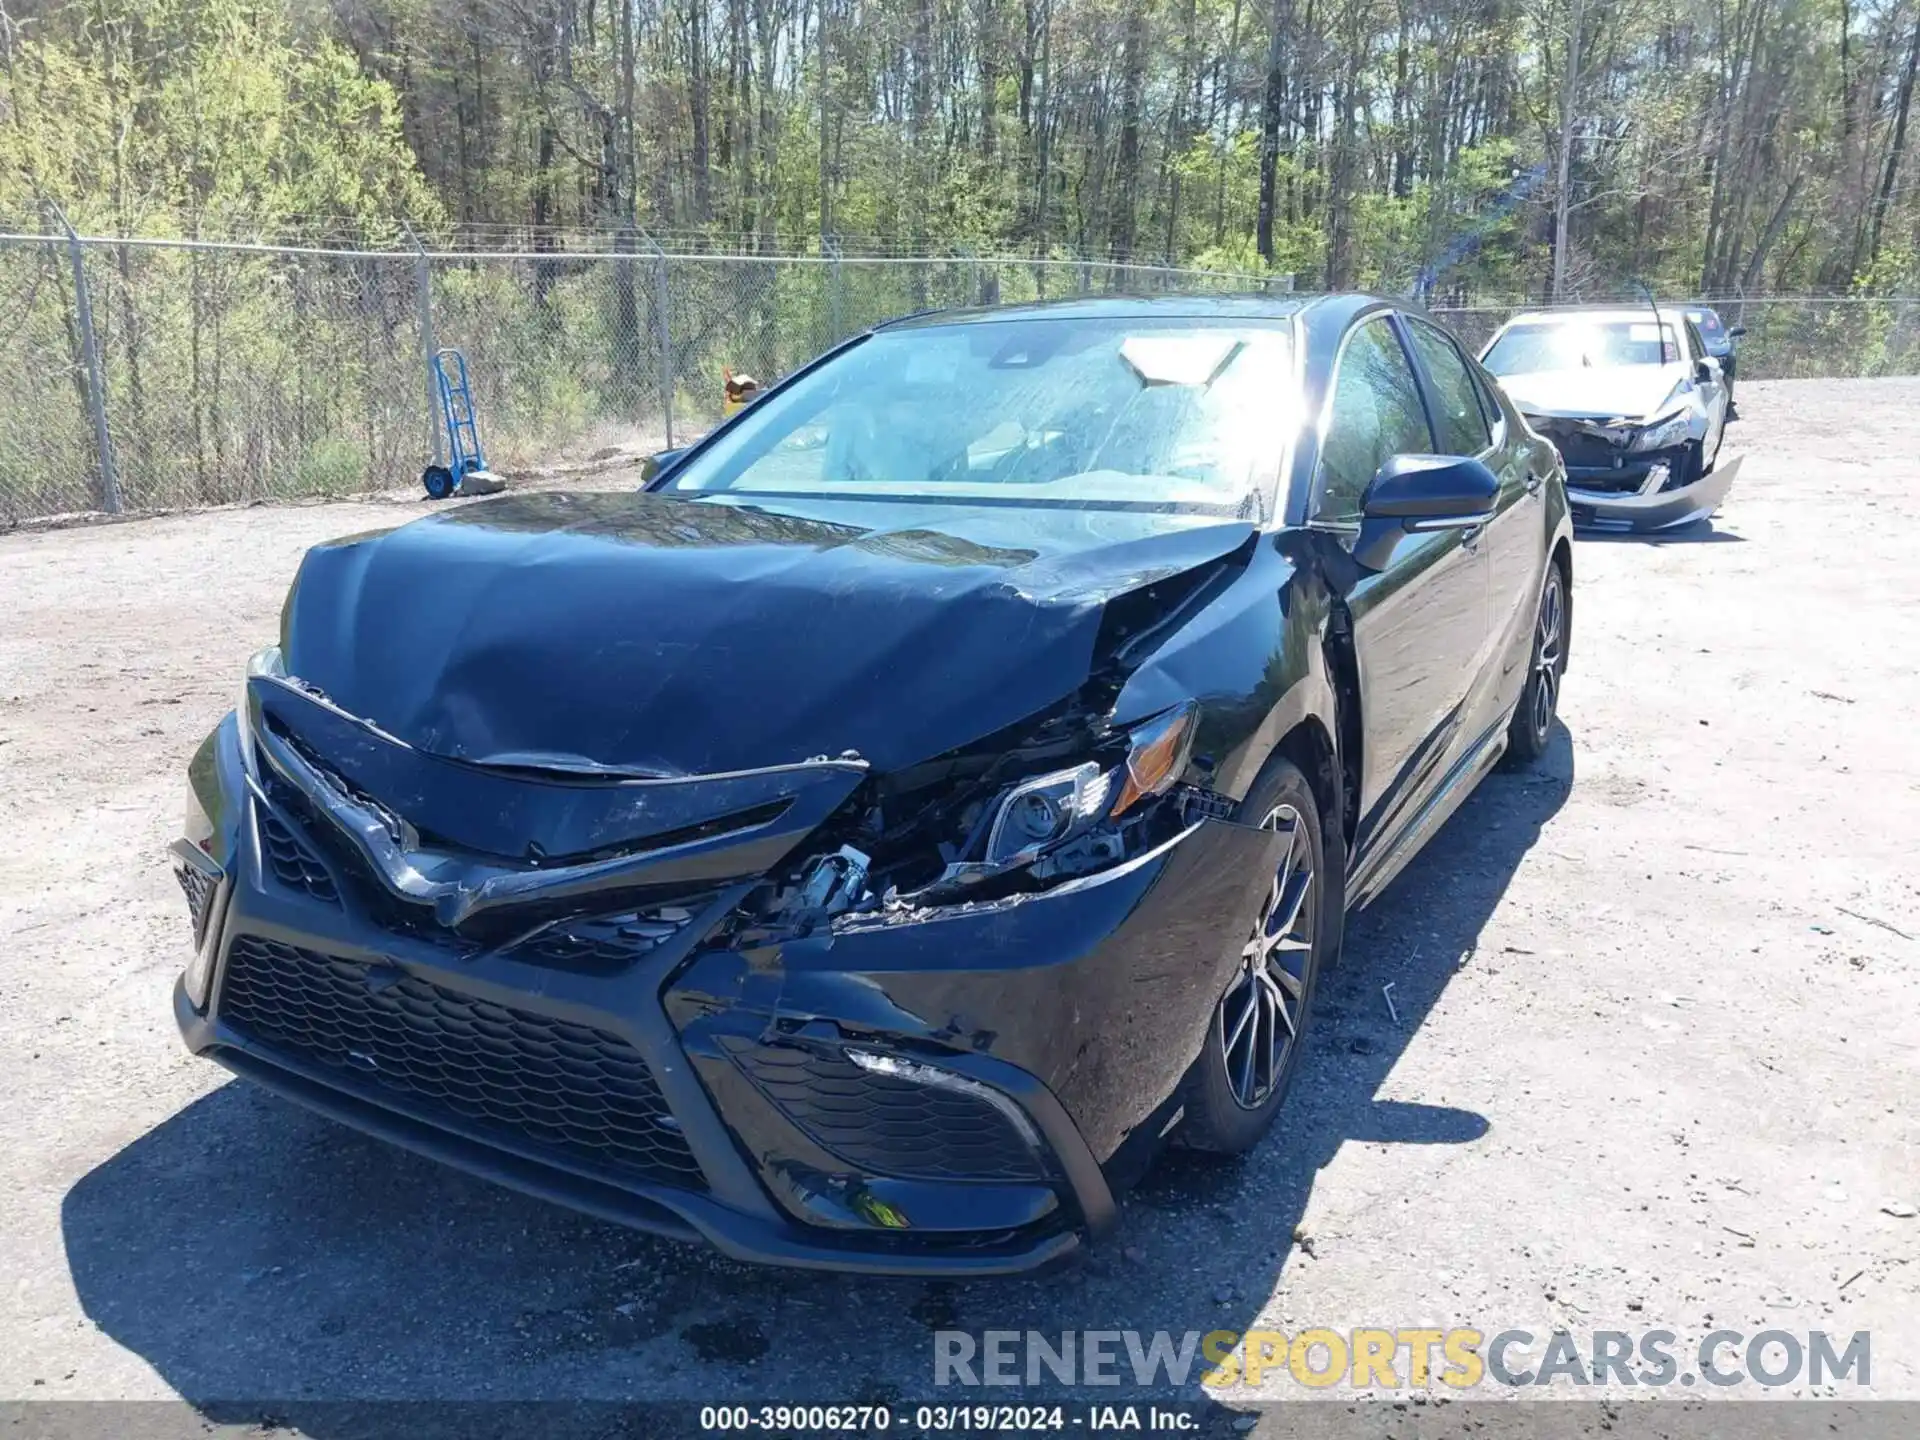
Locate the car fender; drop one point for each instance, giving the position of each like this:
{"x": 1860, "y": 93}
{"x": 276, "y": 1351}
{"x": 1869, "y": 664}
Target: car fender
{"x": 1254, "y": 659}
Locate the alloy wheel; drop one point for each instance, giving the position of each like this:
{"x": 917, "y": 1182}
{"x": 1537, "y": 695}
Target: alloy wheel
{"x": 1261, "y": 1013}
{"x": 1547, "y": 644}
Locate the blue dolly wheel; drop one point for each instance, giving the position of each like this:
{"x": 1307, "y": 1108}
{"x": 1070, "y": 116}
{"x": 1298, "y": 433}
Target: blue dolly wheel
{"x": 439, "y": 481}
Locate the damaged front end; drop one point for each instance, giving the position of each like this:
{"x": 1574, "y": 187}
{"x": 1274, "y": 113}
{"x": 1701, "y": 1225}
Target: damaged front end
{"x": 1634, "y": 475}
{"x": 917, "y": 1021}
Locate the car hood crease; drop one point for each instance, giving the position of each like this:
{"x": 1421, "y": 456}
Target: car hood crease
{"x": 667, "y": 636}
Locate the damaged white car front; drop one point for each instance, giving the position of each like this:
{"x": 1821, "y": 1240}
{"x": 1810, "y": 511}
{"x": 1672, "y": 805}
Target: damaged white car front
{"x": 1633, "y": 403}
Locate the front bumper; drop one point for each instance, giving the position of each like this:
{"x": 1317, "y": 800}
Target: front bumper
{"x": 1028, "y": 1049}
{"x": 1647, "y": 510}
{"x": 1611, "y": 486}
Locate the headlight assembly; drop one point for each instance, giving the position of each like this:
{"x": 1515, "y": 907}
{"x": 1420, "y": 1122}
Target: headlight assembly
{"x": 1672, "y": 430}
{"x": 1160, "y": 751}
{"x": 1040, "y": 815}
{"x": 265, "y": 661}
{"x": 1042, "y": 812}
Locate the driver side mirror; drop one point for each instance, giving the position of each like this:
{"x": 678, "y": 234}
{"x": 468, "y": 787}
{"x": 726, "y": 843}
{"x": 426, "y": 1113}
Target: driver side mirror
{"x": 1413, "y": 494}
{"x": 658, "y": 463}
{"x": 1736, "y": 331}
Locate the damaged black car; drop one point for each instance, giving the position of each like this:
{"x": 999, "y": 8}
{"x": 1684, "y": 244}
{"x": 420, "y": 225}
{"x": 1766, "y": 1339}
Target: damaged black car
{"x": 938, "y": 791}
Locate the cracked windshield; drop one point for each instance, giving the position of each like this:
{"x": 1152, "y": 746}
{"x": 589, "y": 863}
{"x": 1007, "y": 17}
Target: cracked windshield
{"x": 1080, "y": 414}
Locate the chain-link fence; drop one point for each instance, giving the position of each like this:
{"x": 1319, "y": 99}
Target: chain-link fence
{"x": 156, "y": 374}
{"x": 151, "y": 374}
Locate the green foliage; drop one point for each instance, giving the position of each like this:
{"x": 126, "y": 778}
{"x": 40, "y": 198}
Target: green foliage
{"x": 161, "y": 116}
{"x": 1740, "y": 147}
{"x": 332, "y": 465}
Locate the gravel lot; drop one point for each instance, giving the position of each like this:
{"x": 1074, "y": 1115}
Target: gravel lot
{"x": 1655, "y": 1062}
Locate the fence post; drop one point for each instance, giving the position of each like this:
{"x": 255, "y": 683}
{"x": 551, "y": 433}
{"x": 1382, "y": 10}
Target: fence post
{"x": 423, "y": 304}
{"x": 96, "y": 376}
{"x": 836, "y": 298}
{"x": 972, "y": 262}
{"x": 663, "y": 334}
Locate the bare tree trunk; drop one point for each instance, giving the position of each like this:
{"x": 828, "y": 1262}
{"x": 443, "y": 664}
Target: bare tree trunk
{"x": 824, "y": 58}
{"x": 1223, "y": 74}
{"x": 1896, "y": 149}
{"x": 700, "y": 102}
{"x": 1043, "y": 103}
{"x": 1768, "y": 236}
{"x": 626, "y": 169}
{"x": 990, "y": 58}
{"x": 1562, "y": 193}
{"x": 767, "y": 39}
{"x": 1273, "y": 98}
{"x": 1127, "y": 179}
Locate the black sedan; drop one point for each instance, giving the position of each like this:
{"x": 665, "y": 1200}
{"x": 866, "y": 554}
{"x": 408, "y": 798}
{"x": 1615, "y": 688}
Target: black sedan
{"x": 941, "y": 788}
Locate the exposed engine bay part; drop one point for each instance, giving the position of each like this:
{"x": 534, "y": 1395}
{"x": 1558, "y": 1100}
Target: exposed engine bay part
{"x": 973, "y": 837}
{"x": 1625, "y": 456}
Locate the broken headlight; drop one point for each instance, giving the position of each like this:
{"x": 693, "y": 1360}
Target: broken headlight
{"x": 1667, "y": 430}
{"x": 1040, "y": 816}
{"x": 1040, "y": 813}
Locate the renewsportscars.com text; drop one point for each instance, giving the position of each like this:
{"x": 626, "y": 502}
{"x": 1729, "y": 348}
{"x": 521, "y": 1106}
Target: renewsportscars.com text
{"x": 1393, "y": 1359}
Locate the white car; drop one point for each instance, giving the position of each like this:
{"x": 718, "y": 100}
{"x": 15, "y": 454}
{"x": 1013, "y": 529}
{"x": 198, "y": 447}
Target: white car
{"x": 1634, "y": 403}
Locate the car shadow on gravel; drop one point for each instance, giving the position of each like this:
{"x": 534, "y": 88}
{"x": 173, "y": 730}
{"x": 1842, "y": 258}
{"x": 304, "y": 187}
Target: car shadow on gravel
{"x": 1700, "y": 532}
{"x": 259, "y": 1257}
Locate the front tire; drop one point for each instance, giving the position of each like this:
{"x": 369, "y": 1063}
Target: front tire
{"x": 1532, "y": 723}
{"x": 1238, "y": 1083}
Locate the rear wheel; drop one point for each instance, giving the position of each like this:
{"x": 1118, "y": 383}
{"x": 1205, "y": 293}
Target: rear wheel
{"x": 1252, "y": 1050}
{"x": 1532, "y": 721}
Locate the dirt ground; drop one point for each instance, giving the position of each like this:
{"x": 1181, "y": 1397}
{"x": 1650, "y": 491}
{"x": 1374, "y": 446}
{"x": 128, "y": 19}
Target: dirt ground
{"x": 1655, "y": 1061}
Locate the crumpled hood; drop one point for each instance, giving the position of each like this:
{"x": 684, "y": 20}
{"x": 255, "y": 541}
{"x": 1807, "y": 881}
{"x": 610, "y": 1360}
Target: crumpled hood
{"x": 673, "y": 636}
{"x": 1625, "y": 392}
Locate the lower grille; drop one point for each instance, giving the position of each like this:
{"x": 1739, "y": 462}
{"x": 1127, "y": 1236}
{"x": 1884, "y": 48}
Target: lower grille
{"x": 883, "y": 1125}
{"x": 292, "y": 863}
{"x": 475, "y": 1066}
{"x": 607, "y": 944}
{"x": 198, "y": 886}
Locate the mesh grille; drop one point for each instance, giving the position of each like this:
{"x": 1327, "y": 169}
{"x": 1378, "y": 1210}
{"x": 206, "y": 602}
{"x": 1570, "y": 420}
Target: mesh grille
{"x": 485, "y": 1068}
{"x": 600, "y": 946}
{"x": 887, "y": 1126}
{"x": 291, "y": 862}
{"x": 198, "y": 887}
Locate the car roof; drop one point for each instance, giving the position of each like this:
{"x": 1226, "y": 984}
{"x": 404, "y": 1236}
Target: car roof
{"x": 1611, "y": 312}
{"x": 1329, "y": 312}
